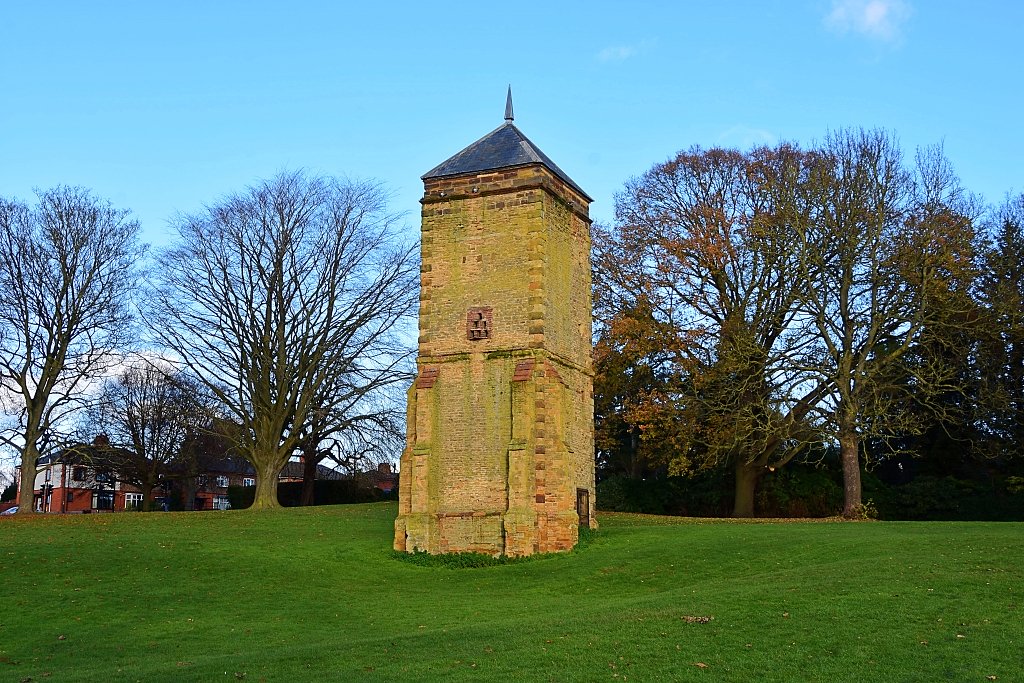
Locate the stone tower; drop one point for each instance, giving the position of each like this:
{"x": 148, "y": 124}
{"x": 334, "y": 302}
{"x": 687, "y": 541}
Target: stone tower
{"x": 499, "y": 454}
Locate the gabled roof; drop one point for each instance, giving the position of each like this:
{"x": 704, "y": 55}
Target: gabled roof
{"x": 294, "y": 470}
{"x": 503, "y": 147}
{"x": 86, "y": 454}
{"x": 226, "y": 465}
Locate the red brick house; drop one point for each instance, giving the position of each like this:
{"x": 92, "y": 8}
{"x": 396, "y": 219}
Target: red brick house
{"x": 382, "y": 478}
{"x": 211, "y": 486}
{"x": 82, "y": 480}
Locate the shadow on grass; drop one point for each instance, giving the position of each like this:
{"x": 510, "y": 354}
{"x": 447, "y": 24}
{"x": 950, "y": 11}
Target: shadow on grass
{"x": 476, "y": 560}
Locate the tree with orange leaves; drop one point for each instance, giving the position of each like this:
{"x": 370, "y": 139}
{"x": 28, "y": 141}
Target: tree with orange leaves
{"x": 697, "y": 282}
{"x": 785, "y": 297}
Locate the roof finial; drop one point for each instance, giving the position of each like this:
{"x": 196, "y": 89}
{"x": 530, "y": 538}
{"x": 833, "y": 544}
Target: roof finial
{"x": 508, "y": 106}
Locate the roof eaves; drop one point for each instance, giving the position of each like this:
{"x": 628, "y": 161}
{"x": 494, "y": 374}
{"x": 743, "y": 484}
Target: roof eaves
{"x": 504, "y": 147}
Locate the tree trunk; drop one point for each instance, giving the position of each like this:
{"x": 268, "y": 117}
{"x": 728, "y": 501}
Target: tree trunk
{"x": 188, "y": 493}
{"x": 147, "y": 496}
{"x": 28, "y": 479}
{"x": 308, "y": 481}
{"x": 266, "y": 488}
{"x": 634, "y": 460}
{"x": 849, "y": 455}
{"x": 747, "y": 477}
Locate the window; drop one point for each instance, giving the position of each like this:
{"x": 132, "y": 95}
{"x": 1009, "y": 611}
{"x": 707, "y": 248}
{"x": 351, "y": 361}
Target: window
{"x": 133, "y": 501}
{"x": 71, "y": 496}
{"x": 222, "y": 481}
{"x": 104, "y": 477}
{"x": 102, "y": 500}
{"x": 248, "y": 481}
{"x": 48, "y": 475}
{"x": 221, "y": 503}
{"x": 78, "y": 473}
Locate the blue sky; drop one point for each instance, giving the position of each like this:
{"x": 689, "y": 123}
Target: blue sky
{"x": 163, "y": 107}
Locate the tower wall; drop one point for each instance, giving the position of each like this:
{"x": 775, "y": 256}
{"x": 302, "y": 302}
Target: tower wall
{"x": 500, "y": 417}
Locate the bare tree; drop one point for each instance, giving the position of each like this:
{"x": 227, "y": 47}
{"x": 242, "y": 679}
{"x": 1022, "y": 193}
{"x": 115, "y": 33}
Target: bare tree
{"x": 149, "y": 413}
{"x": 891, "y": 264}
{"x": 288, "y": 302}
{"x": 67, "y": 268}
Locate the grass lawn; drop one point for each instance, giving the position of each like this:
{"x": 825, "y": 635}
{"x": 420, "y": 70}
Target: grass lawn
{"x": 317, "y": 594}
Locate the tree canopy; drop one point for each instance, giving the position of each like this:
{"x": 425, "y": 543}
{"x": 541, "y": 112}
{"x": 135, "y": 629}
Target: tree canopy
{"x": 782, "y": 298}
{"x": 287, "y": 302}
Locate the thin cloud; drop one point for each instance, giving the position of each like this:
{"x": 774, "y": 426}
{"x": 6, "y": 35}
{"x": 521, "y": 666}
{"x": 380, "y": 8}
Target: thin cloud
{"x": 745, "y": 137}
{"x": 876, "y": 19}
{"x": 620, "y": 53}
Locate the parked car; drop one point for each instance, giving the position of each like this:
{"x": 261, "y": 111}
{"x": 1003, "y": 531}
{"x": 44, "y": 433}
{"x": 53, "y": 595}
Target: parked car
{"x": 10, "y": 511}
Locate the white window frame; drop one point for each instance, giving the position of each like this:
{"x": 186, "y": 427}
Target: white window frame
{"x": 221, "y": 503}
{"x": 135, "y": 499}
{"x": 248, "y": 481}
{"x": 222, "y": 481}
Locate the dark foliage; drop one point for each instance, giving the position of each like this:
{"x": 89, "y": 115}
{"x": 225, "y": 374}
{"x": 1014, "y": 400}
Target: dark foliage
{"x": 339, "y": 492}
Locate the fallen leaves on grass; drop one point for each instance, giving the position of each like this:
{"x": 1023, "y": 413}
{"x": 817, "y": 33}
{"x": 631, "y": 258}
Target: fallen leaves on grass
{"x": 696, "y": 620}
{"x": 700, "y": 665}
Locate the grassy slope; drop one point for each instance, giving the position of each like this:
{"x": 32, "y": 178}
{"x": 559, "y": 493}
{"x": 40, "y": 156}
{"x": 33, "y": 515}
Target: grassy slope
{"x": 316, "y": 594}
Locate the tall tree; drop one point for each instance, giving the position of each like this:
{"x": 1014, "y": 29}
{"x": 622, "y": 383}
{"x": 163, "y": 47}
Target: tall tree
{"x": 700, "y": 274}
{"x": 889, "y": 265}
{"x": 68, "y": 265}
{"x": 1001, "y": 356}
{"x": 149, "y": 413}
{"x": 288, "y": 302}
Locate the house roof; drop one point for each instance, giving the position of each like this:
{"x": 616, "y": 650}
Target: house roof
{"x": 227, "y": 465}
{"x": 504, "y": 147}
{"x": 293, "y": 470}
{"x": 86, "y": 454}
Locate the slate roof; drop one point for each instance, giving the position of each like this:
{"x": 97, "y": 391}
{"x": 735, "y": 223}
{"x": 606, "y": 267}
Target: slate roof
{"x": 85, "y": 454}
{"x": 503, "y": 147}
{"x": 294, "y": 470}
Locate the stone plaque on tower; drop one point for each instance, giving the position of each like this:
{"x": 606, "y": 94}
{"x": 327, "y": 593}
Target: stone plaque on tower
{"x": 499, "y": 454}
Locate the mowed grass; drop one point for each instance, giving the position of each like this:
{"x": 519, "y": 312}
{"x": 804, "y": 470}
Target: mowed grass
{"x": 317, "y": 595}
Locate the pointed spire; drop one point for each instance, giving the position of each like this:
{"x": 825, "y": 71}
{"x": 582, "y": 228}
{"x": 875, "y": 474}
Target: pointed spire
{"x": 508, "y": 106}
